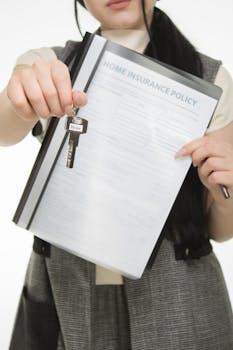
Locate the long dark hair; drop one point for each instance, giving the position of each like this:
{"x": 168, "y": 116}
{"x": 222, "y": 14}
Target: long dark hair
{"x": 186, "y": 224}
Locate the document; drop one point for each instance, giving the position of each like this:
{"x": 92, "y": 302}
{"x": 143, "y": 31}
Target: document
{"x": 110, "y": 208}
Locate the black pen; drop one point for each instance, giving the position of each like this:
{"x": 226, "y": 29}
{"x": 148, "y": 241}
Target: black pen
{"x": 225, "y": 191}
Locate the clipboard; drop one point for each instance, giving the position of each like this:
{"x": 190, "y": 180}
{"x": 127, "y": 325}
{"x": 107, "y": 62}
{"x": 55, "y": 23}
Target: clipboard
{"x": 106, "y": 209}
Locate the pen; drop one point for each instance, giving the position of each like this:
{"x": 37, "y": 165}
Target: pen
{"x": 225, "y": 191}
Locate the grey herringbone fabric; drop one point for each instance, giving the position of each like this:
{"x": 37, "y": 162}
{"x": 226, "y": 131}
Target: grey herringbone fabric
{"x": 110, "y": 321}
{"x": 180, "y": 305}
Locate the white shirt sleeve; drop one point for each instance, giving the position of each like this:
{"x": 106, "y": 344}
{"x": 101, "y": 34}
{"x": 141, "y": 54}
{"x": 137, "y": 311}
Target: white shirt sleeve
{"x": 224, "y": 112}
{"x": 41, "y": 54}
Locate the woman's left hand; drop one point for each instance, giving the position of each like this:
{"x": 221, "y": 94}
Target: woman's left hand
{"x": 214, "y": 159}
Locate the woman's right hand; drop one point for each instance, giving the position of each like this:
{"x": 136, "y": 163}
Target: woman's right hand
{"x": 42, "y": 90}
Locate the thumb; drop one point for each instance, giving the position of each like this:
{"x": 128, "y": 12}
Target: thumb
{"x": 79, "y": 98}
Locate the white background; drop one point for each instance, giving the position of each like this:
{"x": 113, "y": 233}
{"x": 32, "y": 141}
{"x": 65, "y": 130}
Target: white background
{"x": 30, "y": 24}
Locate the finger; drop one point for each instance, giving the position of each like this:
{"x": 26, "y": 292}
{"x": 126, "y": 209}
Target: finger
{"x": 190, "y": 147}
{"x": 213, "y": 164}
{"x": 202, "y": 148}
{"x": 48, "y": 88}
{"x": 61, "y": 78}
{"x": 79, "y": 98}
{"x": 221, "y": 177}
{"x": 208, "y": 150}
{"x": 16, "y": 95}
{"x": 34, "y": 95}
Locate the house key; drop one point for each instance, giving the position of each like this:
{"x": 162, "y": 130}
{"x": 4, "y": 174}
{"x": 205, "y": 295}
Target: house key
{"x": 75, "y": 126}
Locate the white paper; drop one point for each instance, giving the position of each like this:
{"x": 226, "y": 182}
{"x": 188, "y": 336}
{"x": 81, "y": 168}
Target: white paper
{"x": 111, "y": 207}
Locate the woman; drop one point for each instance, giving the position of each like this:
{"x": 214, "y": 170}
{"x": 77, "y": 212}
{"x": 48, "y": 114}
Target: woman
{"x": 181, "y": 301}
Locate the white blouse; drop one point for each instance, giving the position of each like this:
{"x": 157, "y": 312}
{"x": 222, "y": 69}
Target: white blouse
{"x": 137, "y": 40}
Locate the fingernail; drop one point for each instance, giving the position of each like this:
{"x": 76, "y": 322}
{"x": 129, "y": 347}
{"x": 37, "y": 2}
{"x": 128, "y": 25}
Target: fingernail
{"x": 181, "y": 153}
{"x": 68, "y": 110}
{"x": 84, "y": 98}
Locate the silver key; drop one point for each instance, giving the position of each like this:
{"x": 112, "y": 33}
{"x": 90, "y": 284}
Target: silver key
{"x": 75, "y": 126}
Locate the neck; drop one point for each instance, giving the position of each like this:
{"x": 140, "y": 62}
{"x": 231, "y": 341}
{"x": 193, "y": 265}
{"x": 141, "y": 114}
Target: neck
{"x": 133, "y": 39}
